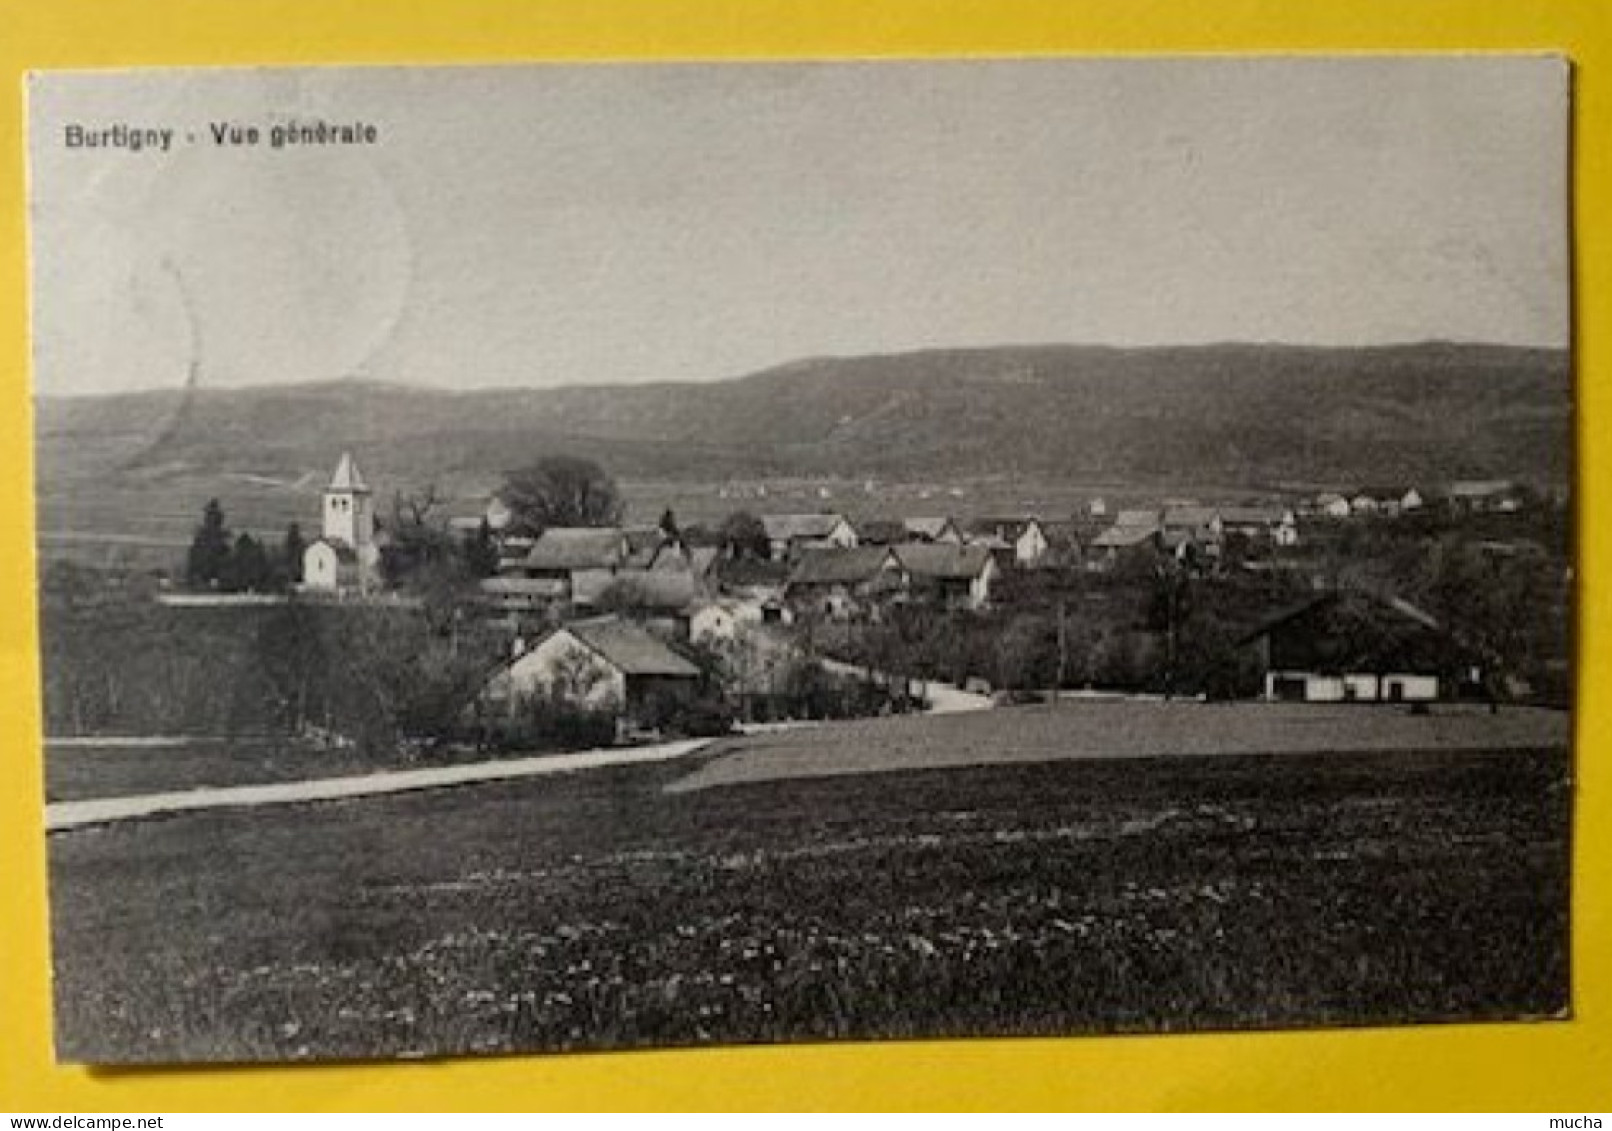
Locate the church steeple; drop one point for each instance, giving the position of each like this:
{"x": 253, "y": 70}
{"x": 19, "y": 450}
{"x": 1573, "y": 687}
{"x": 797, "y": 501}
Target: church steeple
{"x": 349, "y": 507}
{"x": 347, "y": 476}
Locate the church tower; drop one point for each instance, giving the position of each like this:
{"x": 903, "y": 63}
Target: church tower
{"x": 349, "y": 509}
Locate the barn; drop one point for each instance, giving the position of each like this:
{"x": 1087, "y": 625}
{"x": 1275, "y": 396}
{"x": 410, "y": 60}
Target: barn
{"x": 1356, "y": 647}
{"x": 603, "y": 664}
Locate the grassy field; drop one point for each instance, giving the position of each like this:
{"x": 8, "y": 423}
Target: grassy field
{"x": 1125, "y": 728}
{"x": 598, "y": 910}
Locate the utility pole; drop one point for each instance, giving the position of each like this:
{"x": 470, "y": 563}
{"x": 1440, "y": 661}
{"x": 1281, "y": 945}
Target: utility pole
{"x": 1063, "y": 648}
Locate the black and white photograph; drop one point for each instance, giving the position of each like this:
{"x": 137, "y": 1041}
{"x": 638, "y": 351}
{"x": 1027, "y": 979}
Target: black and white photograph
{"x": 578, "y": 557}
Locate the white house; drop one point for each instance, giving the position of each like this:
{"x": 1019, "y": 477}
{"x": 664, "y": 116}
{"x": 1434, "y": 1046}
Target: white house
{"x": 1024, "y": 536}
{"x": 345, "y": 559}
{"x": 1330, "y": 504}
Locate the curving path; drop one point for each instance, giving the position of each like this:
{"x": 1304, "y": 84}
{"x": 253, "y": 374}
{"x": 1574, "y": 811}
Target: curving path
{"x": 62, "y": 815}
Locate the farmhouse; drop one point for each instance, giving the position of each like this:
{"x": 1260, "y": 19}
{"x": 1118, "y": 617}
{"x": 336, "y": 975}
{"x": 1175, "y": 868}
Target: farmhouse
{"x": 726, "y": 618}
{"x": 843, "y": 583}
{"x": 1200, "y": 524}
{"x": 1392, "y": 500}
{"x": 1123, "y": 542}
{"x": 788, "y": 534}
{"x": 560, "y": 551}
{"x": 346, "y": 558}
{"x": 603, "y": 664}
{"x": 655, "y": 597}
{"x": 1477, "y": 496}
{"x": 932, "y": 530}
{"x": 1139, "y": 519}
{"x": 1024, "y": 537}
{"x": 1331, "y": 504}
{"x": 1350, "y": 646}
{"x": 1276, "y": 525}
{"x": 957, "y": 577}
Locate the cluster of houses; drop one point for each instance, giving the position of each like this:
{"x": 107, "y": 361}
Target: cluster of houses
{"x": 613, "y": 598}
{"x": 1466, "y": 496}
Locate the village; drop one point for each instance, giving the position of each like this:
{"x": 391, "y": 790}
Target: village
{"x": 627, "y": 632}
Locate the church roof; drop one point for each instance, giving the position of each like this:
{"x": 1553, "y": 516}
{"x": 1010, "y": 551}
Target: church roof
{"x": 347, "y": 477}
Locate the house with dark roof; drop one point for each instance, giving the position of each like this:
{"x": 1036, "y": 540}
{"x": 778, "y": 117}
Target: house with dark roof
{"x": 931, "y": 529}
{"x": 788, "y": 534}
{"x": 659, "y": 598}
{"x": 951, "y": 576}
{"x": 600, "y": 664}
{"x": 1122, "y": 543}
{"x": 1203, "y": 524}
{"x": 561, "y": 551}
{"x": 844, "y": 583}
{"x": 1350, "y": 646}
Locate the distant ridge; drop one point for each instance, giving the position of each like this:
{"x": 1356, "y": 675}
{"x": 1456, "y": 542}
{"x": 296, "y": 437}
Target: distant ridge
{"x": 1228, "y": 412}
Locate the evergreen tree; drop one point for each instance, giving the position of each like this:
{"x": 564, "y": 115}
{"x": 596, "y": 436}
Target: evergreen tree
{"x": 247, "y": 570}
{"x": 481, "y": 551}
{"x": 209, "y": 556}
{"x": 291, "y": 554}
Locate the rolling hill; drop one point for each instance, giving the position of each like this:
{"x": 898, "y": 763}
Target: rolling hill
{"x": 1234, "y": 413}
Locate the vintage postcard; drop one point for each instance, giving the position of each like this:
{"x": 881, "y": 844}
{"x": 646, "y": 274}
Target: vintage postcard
{"x": 546, "y": 557}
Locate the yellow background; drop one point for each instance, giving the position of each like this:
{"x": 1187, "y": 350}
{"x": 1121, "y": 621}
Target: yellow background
{"x": 1561, "y": 1068}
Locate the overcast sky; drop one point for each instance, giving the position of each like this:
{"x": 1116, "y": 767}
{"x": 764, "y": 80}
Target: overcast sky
{"x": 551, "y": 225}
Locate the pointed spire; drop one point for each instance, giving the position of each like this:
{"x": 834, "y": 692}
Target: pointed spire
{"x": 347, "y": 477}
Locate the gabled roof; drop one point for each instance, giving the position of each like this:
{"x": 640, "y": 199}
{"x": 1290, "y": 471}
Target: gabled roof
{"x": 1190, "y": 516}
{"x": 577, "y": 547}
{"x": 750, "y": 572}
{"x": 1396, "y": 605}
{"x": 643, "y": 538}
{"x": 1009, "y": 527}
{"x": 703, "y": 559}
{"x": 347, "y": 476}
{"x": 931, "y": 528}
{"x": 661, "y": 589}
{"x": 793, "y": 527}
{"x": 1137, "y": 518}
{"x": 629, "y": 648}
{"x": 1253, "y": 515}
{"x": 1120, "y": 536}
{"x": 942, "y": 561}
{"x": 837, "y": 566}
{"x": 882, "y": 532}
{"x": 535, "y": 587}
{"x": 345, "y": 554}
